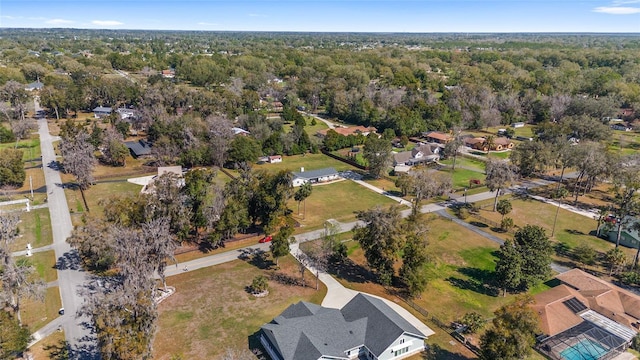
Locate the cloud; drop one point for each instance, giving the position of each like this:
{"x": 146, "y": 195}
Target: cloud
{"x": 617, "y": 10}
{"x": 208, "y": 24}
{"x": 58, "y": 22}
{"x": 258, "y": 15}
{"x": 10, "y": 17}
{"x": 106, "y": 22}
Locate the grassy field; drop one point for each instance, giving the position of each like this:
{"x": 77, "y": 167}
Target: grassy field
{"x": 308, "y": 161}
{"x": 44, "y": 263}
{"x": 35, "y": 314}
{"x": 461, "y": 177}
{"x": 30, "y": 148}
{"x": 336, "y": 201}
{"x": 477, "y": 165}
{"x": 461, "y": 262}
{"x": 35, "y": 229}
{"x": 310, "y": 129}
{"x": 101, "y": 190}
{"x": 211, "y": 310}
{"x": 571, "y": 229}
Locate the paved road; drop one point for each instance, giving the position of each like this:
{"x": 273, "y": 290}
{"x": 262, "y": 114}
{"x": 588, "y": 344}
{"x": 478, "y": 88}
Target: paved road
{"x": 70, "y": 276}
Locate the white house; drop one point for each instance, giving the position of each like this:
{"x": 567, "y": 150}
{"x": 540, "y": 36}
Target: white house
{"x": 516, "y": 125}
{"x": 101, "y": 111}
{"x": 421, "y": 154}
{"x": 315, "y": 176}
{"x": 275, "y": 159}
{"x": 365, "y": 328}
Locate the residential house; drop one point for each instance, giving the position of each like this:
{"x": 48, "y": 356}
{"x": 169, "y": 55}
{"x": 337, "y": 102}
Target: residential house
{"x": 621, "y": 127}
{"x": 275, "y": 159}
{"x": 126, "y": 113}
{"x": 478, "y": 143}
{"x": 140, "y": 148}
{"x": 585, "y": 309}
{"x": 175, "y": 170}
{"x": 437, "y": 137}
{"x": 169, "y": 73}
{"x": 346, "y": 131}
{"x": 516, "y": 125}
{"x": 365, "y": 328}
{"x": 34, "y": 86}
{"x": 502, "y": 143}
{"x": 315, "y": 176}
{"x": 101, "y": 111}
{"x": 629, "y": 236}
{"x": 421, "y": 154}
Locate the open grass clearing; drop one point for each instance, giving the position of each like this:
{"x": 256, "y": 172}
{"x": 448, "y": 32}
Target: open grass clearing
{"x": 310, "y": 129}
{"x": 472, "y": 164}
{"x": 103, "y": 189}
{"x": 339, "y": 201}
{"x": 306, "y": 161}
{"x": 461, "y": 177}
{"x": 571, "y": 229}
{"x": 35, "y": 314}
{"x": 211, "y": 310}
{"x": 48, "y": 347}
{"x": 44, "y": 264}
{"x": 229, "y": 246}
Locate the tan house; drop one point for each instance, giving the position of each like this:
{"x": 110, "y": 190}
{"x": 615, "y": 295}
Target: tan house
{"x": 438, "y": 137}
{"x": 354, "y": 130}
{"x": 586, "y": 316}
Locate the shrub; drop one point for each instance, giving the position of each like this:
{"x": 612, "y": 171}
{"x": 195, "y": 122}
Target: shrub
{"x": 259, "y": 284}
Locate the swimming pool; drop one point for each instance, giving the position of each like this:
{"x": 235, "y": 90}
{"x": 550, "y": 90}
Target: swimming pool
{"x": 584, "y": 350}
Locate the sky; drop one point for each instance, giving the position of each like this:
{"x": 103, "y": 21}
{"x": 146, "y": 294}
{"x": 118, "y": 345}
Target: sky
{"x": 621, "y": 16}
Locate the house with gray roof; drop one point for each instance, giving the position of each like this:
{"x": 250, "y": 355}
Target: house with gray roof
{"x": 364, "y": 328}
{"x": 315, "y": 176}
{"x": 34, "y": 86}
{"x": 140, "y": 148}
{"x": 421, "y": 154}
{"x": 101, "y": 111}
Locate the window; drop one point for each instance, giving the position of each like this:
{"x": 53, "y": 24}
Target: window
{"x": 401, "y": 351}
{"x": 401, "y": 341}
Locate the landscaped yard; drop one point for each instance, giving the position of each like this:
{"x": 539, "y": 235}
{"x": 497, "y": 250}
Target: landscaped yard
{"x": 48, "y": 347}
{"x": 472, "y": 164}
{"x": 461, "y": 177}
{"x": 337, "y": 201}
{"x": 211, "y": 310}
{"x": 307, "y": 161}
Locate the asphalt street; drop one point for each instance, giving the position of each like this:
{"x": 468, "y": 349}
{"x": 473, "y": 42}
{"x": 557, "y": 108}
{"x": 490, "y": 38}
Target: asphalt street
{"x": 71, "y": 277}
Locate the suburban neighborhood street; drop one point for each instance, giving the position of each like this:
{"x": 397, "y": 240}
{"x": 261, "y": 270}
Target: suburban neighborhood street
{"x": 71, "y": 276}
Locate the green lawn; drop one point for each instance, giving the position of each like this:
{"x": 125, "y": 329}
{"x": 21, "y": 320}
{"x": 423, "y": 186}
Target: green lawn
{"x": 337, "y": 201}
{"x": 307, "y": 161}
{"x": 211, "y": 310}
{"x": 310, "y": 129}
{"x": 44, "y": 263}
{"x": 461, "y": 177}
{"x": 466, "y": 162}
{"x": 30, "y": 148}
{"x": 101, "y": 190}
{"x": 571, "y": 229}
{"x": 35, "y": 229}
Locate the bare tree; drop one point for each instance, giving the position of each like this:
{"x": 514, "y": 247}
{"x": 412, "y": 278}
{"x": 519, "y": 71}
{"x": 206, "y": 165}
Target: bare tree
{"x": 427, "y": 184}
{"x": 79, "y": 160}
{"x": 220, "y": 136}
{"x": 500, "y": 175}
{"x": 16, "y": 278}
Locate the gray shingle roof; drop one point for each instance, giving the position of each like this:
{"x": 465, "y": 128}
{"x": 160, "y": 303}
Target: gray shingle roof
{"x": 306, "y": 331}
{"x": 139, "y": 148}
{"x": 102, "y": 109}
{"x": 402, "y": 157}
{"x": 314, "y": 174}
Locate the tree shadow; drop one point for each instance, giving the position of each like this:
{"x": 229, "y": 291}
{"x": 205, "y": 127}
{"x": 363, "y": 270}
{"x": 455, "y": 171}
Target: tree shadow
{"x": 68, "y": 261}
{"x": 257, "y": 258}
{"x": 255, "y": 346}
{"x": 352, "y": 272}
{"x": 479, "y": 224}
{"x": 574, "y": 232}
{"x": 562, "y": 249}
{"x": 59, "y": 351}
{"x": 435, "y": 352}
{"x": 480, "y": 281}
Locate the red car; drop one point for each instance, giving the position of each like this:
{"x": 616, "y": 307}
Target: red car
{"x": 266, "y": 239}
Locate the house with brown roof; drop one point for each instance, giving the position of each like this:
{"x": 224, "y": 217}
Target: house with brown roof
{"x": 480, "y": 143}
{"x": 346, "y": 131}
{"x": 438, "y": 137}
{"x": 586, "y": 316}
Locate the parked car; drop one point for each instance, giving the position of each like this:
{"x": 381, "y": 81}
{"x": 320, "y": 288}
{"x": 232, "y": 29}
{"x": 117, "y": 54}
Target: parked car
{"x": 266, "y": 239}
